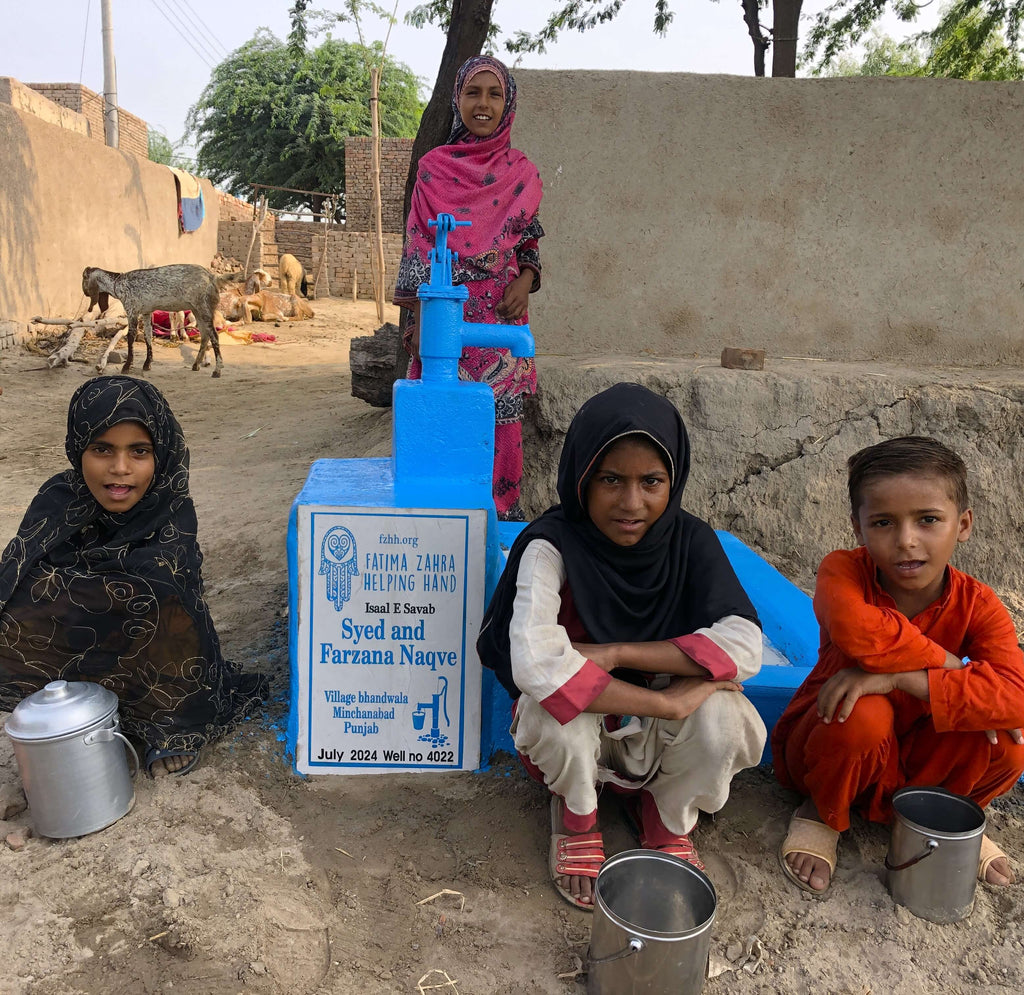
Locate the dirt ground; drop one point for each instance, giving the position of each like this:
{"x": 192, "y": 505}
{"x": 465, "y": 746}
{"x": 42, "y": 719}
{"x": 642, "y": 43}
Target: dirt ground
{"x": 244, "y": 877}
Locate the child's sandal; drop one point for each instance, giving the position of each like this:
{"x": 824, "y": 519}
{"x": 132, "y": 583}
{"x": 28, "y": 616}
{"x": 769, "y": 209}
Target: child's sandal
{"x": 990, "y": 852}
{"x": 814, "y": 838}
{"x": 573, "y": 856}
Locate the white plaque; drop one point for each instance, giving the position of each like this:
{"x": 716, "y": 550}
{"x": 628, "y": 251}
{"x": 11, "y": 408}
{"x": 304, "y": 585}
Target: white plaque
{"x": 390, "y": 605}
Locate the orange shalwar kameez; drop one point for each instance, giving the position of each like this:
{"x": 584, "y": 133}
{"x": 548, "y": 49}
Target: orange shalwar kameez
{"x": 892, "y": 740}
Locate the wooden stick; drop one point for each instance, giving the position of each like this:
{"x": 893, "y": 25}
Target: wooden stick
{"x": 378, "y": 241}
{"x": 102, "y": 324}
{"x": 355, "y": 284}
{"x": 61, "y": 356}
{"x": 102, "y": 364}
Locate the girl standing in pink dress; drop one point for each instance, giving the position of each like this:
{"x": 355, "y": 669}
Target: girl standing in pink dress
{"x": 479, "y": 177}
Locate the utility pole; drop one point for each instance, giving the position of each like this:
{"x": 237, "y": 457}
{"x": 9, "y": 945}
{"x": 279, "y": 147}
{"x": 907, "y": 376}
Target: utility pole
{"x": 110, "y": 127}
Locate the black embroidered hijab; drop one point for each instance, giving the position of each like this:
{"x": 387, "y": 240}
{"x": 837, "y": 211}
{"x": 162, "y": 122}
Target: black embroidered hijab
{"x": 117, "y": 598}
{"x": 675, "y": 580}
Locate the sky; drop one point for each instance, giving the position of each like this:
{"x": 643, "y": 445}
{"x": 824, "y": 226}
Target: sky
{"x": 165, "y": 49}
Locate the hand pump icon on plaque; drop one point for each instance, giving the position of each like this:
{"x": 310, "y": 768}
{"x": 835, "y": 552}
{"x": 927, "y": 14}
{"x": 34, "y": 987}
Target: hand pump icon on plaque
{"x": 438, "y": 702}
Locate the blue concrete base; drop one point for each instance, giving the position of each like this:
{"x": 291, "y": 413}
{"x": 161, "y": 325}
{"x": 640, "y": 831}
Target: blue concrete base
{"x": 786, "y": 617}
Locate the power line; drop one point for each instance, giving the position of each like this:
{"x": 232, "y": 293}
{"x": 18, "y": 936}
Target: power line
{"x": 188, "y": 41}
{"x": 209, "y": 30}
{"x": 196, "y": 36}
{"x": 85, "y": 38}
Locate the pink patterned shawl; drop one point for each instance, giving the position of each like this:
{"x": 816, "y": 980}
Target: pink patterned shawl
{"x": 498, "y": 189}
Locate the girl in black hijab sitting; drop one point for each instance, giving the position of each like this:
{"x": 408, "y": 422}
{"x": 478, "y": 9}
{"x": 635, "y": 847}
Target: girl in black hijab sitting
{"x": 622, "y": 632}
{"x": 102, "y": 582}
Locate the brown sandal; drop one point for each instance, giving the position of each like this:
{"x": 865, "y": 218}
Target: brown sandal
{"x": 814, "y": 838}
{"x": 991, "y": 852}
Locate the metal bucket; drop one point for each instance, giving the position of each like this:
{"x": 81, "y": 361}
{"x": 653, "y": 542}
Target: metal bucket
{"x": 652, "y": 926}
{"x": 934, "y": 851}
{"x": 71, "y": 756}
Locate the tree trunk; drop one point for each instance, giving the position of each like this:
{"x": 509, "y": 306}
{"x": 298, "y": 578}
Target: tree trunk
{"x": 785, "y": 33}
{"x": 750, "y": 9}
{"x": 467, "y": 32}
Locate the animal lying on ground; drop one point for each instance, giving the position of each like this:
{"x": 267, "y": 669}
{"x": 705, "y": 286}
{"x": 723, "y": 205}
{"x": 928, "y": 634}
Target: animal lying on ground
{"x": 179, "y": 287}
{"x": 233, "y": 305}
{"x": 292, "y": 275}
{"x": 268, "y": 306}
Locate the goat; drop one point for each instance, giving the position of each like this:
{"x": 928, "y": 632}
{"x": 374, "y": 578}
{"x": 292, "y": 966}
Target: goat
{"x": 233, "y": 305}
{"x": 259, "y": 280}
{"x": 278, "y": 307}
{"x": 179, "y": 287}
{"x": 292, "y": 275}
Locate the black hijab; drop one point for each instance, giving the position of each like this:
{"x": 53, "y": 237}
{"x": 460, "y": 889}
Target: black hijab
{"x": 675, "y": 580}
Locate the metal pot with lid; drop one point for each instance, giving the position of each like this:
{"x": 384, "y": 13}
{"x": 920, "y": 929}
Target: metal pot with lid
{"x": 67, "y": 741}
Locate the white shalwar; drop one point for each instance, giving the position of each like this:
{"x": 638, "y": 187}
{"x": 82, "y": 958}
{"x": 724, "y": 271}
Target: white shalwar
{"x": 687, "y": 765}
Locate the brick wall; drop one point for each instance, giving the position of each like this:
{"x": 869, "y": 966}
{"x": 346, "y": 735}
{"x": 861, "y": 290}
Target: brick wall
{"x": 230, "y": 208}
{"x": 132, "y": 133}
{"x": 395, "y": 154}
{"x": 233, "y": 240}
{"x": 297, "y": 237}
{"x": 349, "y": 252}
{"x": 23, "y": 98}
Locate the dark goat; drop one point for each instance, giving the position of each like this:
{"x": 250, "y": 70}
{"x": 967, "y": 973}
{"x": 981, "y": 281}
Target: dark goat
{"x": 180, "y": 287}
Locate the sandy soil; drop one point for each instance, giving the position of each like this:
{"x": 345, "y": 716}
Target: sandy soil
{"x": 244, "y": 877}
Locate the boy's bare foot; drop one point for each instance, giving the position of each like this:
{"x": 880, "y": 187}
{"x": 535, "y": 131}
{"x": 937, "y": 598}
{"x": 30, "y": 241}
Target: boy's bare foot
{"x": 579, "y": 887}
{"x": 812, "y": 870}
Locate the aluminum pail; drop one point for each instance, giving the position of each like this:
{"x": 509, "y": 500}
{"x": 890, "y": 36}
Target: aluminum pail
{"x": 934, "y": 851}
{"x": 71, "y": 756}
{"x": 652, "y": 926}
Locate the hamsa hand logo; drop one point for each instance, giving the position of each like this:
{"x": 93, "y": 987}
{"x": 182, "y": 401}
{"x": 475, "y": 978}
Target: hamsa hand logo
{"x": 338, "y": 564}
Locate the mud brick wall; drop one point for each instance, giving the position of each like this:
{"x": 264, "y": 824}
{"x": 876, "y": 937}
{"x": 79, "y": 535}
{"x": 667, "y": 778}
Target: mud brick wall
{"x": 132, "y": 133}
{"x": 395, "y": 154}
{"x": 297, "y": 237}
{"x": 233, "y": 239}
{"x": 231, "y": 208}
{"x": 21, "y": 97}
{"x": 349, "y": 252}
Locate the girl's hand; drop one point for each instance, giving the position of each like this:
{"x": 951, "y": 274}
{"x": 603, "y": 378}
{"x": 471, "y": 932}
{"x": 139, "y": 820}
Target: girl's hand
{"x": 517, "y": 295}
{"x": 684, "y": 695}
{"x": 840, "y": 692}
{"x": 1015, "y": 734}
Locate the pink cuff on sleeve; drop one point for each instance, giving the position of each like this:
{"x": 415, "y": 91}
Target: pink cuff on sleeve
{"x": 708, "y": 654}
{"x": 577, "y": 692}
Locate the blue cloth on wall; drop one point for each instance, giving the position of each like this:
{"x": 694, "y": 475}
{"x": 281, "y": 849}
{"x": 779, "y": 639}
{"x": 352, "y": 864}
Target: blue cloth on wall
{"x": 193, "y": 210}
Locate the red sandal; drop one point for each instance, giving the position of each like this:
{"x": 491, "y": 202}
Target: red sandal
{"x": 680, "y": 846}
{"x": 573, "y": 856}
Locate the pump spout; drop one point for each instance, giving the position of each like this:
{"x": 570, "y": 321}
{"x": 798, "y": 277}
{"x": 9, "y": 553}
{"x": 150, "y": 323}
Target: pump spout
{"x": 516, "y": 338}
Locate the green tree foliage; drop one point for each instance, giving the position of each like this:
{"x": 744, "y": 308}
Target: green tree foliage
{"x": 975, "y": 39}
{"x": 962, "y": 46}
{"x": 278, "y": 113}
{"x": 161, "y": 148}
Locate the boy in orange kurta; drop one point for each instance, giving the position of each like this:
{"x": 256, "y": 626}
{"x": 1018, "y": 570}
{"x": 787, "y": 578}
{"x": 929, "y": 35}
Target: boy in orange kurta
{"x": 919, "y": 680}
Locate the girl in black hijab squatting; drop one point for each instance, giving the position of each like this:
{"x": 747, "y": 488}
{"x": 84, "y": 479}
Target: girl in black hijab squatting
{"x": 103, "y": 583}
{"x": 622, "y": 632}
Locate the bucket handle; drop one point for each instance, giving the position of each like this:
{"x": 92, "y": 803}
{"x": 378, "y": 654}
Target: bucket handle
{"x": 106, "y": 735}
{"x": 930, "y": 847}
{"x": 634, "y": 947}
